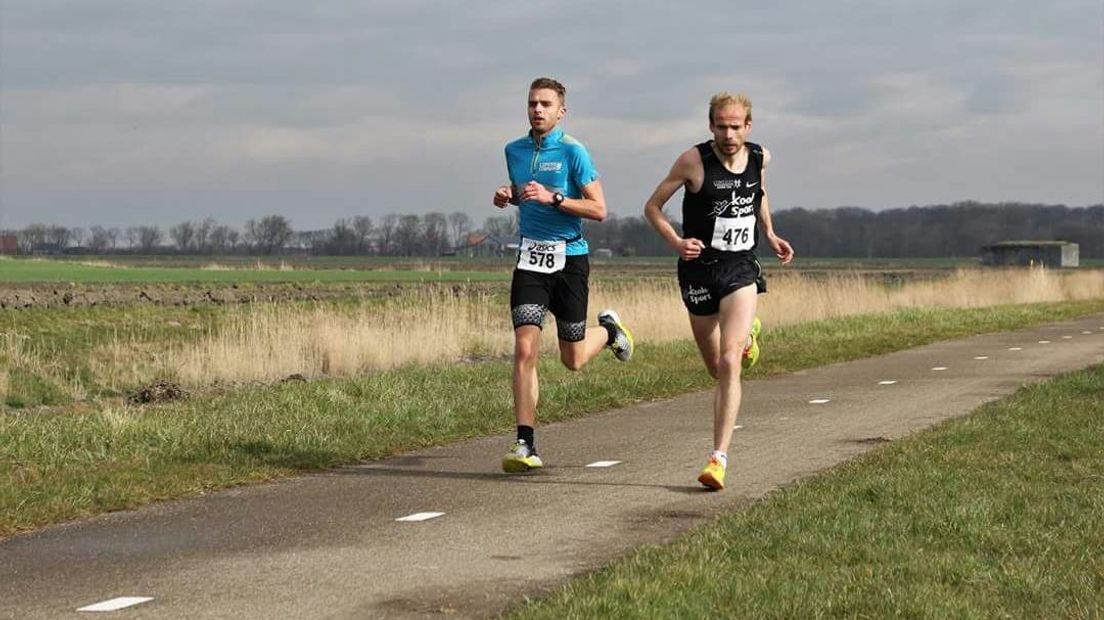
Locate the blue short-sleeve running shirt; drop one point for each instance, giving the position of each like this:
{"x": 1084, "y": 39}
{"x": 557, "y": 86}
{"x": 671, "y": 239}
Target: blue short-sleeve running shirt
{"x": 562, "y": 164}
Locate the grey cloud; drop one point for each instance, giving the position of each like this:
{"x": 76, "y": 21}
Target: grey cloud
{"x": 116, "y": 108}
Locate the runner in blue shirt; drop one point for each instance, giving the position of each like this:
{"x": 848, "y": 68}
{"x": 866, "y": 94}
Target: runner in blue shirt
{"x": 555, "y": 186}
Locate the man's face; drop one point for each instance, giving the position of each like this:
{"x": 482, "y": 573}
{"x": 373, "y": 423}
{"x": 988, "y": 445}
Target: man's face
{"x": 545, "y": 109}
{"x": 730, "y": 128}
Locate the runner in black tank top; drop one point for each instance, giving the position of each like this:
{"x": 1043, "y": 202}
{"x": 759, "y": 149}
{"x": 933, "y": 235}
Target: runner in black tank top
{"x": 730, "y": 199}
{"x": 722, "y": 212}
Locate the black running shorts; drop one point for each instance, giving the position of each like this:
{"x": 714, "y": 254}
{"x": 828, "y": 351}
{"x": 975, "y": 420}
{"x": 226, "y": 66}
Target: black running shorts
{"x": 565, "y": 293}
{"x": 706, "y": 280}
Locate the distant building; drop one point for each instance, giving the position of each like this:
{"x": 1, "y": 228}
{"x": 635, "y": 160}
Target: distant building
{"x": 47, "y": 249}
{"x": 9, "y": 243}
{"x": 1031, "y": 253}
{"x": 484, "y": 245}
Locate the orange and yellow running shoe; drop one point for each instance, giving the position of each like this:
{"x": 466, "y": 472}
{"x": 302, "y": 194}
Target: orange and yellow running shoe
{"x": 751, "y": 351}
{"x": 713, "y": 474}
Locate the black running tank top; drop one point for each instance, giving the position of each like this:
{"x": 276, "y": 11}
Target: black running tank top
{"x": 724, "y": 212}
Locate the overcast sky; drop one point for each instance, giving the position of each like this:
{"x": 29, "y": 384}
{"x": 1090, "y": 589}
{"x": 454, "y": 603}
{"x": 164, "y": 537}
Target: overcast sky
{"x": 127, "y": 112}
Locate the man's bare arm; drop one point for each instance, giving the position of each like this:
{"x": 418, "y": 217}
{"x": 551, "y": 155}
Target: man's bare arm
{"x": 782, "y": 248}
{"x": 682, "y": 172}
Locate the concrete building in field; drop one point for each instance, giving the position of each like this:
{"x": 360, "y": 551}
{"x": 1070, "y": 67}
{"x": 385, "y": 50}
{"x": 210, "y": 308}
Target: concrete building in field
{"x": 9, "y": 243}
{"x": 1031, "y": 254}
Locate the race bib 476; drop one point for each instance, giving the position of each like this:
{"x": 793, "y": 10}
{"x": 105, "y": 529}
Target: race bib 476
{"x": 734, "y": 234}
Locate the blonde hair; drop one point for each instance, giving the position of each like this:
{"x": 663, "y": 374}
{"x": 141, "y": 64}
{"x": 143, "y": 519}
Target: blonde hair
{"x": 726, "y": 98}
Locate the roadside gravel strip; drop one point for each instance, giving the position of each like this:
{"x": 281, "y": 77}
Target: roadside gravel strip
{"x": 442, "y": 531}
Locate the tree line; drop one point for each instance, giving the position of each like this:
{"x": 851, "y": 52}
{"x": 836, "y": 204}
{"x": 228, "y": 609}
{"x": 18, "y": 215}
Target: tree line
{"x": 958, "y": 229}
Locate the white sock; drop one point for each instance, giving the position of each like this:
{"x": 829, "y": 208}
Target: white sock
{"x": 720, "y": 456}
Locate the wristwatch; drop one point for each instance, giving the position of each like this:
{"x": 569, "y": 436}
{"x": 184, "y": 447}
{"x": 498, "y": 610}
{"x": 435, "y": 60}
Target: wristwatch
{"x": 557, "y": 199}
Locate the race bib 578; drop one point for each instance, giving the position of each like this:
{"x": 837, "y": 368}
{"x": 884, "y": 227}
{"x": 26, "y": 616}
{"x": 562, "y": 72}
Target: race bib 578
{"x": 542, "y": 256}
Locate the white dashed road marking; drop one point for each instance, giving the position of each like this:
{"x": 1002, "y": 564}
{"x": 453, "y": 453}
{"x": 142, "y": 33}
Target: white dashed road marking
{"x": 939, "y": 368}
{"x": 116, "y": 604}
{"x": 420, "y": 516}
{"x": 981, "y": 357}
{"x": 603, "y": 463}
{"x": 737, "y": 427}
{"x": 886, "y": 382}
{"x": 1044, "y": 342}
{"x": 1015, "y": 348}
{"x": 1087, "y": 333}
{"x": 1067, "y": 337}
{"x": 819, "y": 401}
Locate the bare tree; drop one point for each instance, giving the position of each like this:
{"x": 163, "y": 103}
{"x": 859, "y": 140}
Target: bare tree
{"x": 113, "y": 236}
{"x": 502, "y": 226}
{"x": 362, "y": 226}
{"x": 77, "y": 236}
{"x": 183, "y": 235}
{"x": 460, "y": 226}
{"x": 32, "y": 237}
{"x": 269, "y": 234}
{"x": 408, "y": 235}
{"x": 99, "y": 239}
{"x": 223, "y": 239}
{"x": 203, "y": 235}
{"x": 148, "y": 237}
{"x": 343, "y": 239}
{"x": 388, "y": 225}
{"x": 58, "y": 235}
{"x": 435, "y": 226}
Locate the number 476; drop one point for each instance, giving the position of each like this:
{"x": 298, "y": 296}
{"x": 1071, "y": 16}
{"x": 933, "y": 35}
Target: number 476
{"x": 733, "y": 236}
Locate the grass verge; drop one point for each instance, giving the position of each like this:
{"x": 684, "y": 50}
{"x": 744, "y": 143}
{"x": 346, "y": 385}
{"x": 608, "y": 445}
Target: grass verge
{"x": 60, "y": 466}
{"x": 997, "y": 515}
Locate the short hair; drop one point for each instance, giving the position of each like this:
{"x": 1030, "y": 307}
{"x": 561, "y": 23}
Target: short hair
{"x": 726, "y": 98}
{"x": 549, "y": 83}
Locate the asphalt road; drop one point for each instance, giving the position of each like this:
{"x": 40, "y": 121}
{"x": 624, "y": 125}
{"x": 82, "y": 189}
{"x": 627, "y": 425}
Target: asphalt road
{"x": 330, "y": 545}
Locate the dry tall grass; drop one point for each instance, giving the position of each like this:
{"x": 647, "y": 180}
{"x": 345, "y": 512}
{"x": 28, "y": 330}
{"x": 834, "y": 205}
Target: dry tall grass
{"x": 258, "y": 266}
{"x": 267, "y": 343}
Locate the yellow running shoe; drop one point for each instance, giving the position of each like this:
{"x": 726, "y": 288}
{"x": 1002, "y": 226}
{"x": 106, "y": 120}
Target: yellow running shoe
{"x": 751, "y": 351}
{"x": 520, "y": 459}
{"x": 713, "y": 474}
{"x": 622, "y": 344}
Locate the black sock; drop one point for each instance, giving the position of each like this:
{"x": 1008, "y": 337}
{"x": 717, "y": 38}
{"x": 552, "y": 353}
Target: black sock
{"x": 525, "y": 433}
{"x": 611, "y": 334}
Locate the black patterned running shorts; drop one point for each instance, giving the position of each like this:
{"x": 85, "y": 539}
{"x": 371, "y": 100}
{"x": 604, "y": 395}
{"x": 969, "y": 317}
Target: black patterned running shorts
{"x": 565, "y": 293}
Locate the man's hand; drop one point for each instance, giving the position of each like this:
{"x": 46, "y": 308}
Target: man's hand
{"x": 503, "y": 196}
{"x": 782, "y": 248}
{"x": 689, "y": 249}
{"x": 536, "y": 192}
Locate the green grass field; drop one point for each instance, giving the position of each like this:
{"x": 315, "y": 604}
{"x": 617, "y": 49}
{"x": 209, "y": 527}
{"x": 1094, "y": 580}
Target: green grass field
{"x": 34, "y": 270}
{"x": 61, "y": 465}
{"x": 997, "y": 515}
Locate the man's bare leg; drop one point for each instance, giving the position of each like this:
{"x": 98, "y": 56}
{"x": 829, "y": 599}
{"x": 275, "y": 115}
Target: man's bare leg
{"x": 735, "y": 318}
{"x": 721, "y": 339}
{"x": 527, "y": 339}
{"x": 575, "y": 355}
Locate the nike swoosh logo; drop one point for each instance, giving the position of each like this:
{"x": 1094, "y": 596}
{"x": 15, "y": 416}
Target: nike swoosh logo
{"x": 752, "y": 184}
